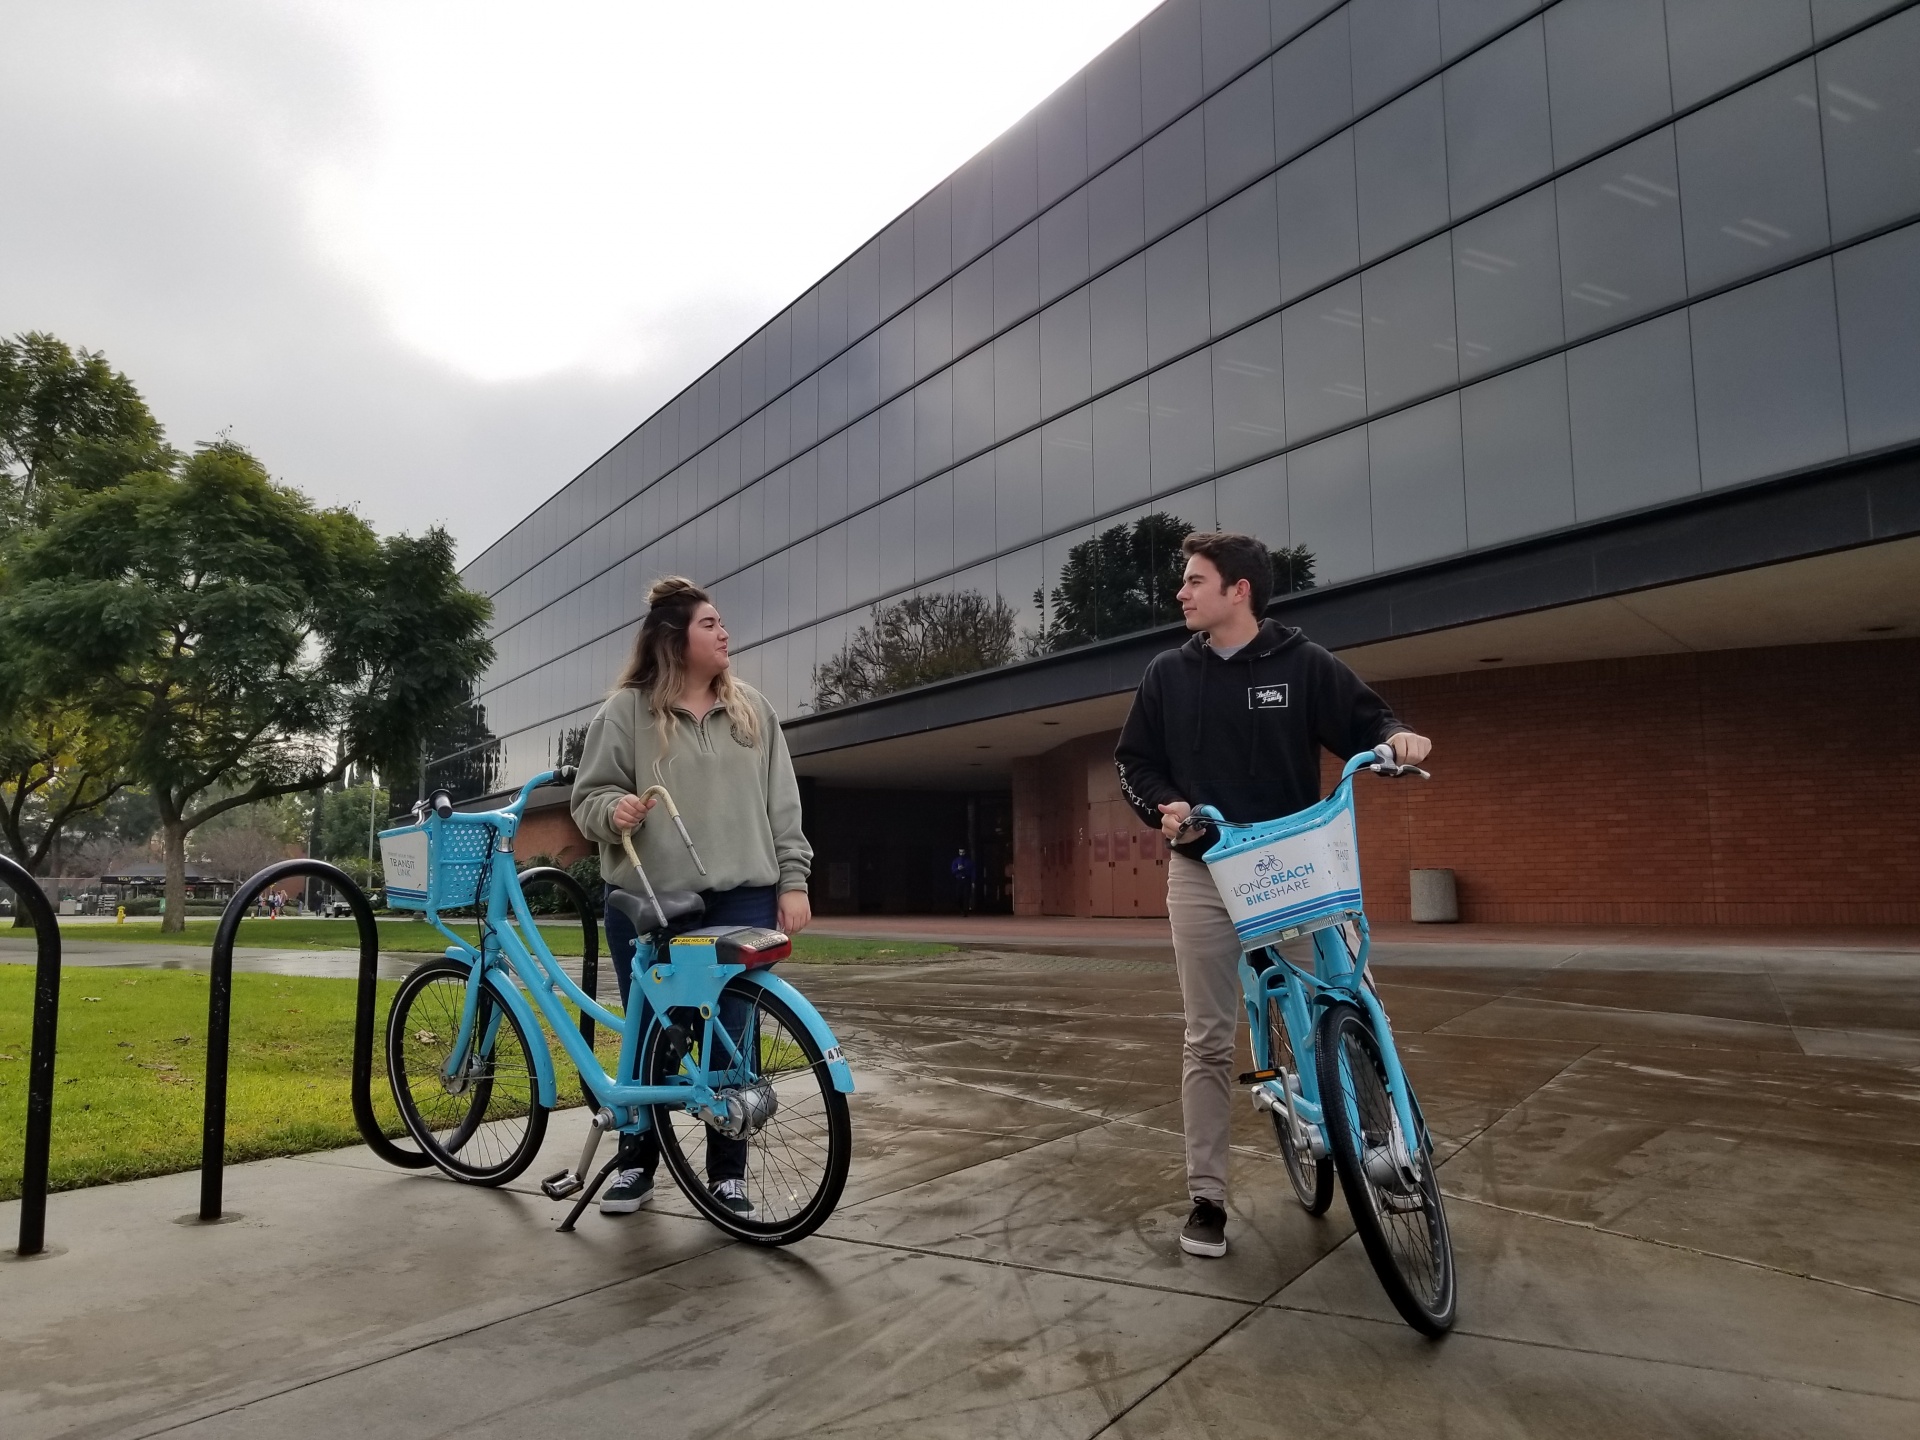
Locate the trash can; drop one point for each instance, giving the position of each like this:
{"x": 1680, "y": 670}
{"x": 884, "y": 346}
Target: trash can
{"x": 1436, "y": 900}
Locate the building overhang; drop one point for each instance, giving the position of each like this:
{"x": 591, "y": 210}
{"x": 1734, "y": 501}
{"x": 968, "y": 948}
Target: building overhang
{"x": 1815, "y": 558}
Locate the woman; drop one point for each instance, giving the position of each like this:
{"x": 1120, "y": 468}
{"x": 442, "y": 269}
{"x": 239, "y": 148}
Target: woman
{"x": 678, "y": 718}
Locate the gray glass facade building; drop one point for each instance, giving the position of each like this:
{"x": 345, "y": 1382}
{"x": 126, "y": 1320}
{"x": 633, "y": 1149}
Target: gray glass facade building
{"x": 1397, "y": 281}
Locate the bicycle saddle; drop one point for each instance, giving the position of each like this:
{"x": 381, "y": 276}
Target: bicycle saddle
{"x": 678, "y": 905}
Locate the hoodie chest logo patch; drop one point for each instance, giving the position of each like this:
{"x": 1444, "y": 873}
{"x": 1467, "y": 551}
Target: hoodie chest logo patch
{"x": 1266, "y": 697}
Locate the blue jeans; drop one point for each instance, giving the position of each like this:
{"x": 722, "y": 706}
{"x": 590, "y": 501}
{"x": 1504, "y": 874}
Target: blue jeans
{"x": 743, "y": 905}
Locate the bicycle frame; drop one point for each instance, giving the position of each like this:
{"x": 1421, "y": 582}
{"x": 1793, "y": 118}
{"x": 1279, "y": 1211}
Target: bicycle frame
{"x": 527, "y": 979}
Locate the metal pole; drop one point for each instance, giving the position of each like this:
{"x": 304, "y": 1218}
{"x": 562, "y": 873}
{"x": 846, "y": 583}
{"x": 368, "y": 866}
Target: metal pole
{"x": 373, "y": 798}
{"x": 46, "y": 1016}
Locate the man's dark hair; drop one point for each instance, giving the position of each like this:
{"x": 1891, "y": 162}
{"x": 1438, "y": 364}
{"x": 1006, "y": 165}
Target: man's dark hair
{"x": 1237, "y": 558}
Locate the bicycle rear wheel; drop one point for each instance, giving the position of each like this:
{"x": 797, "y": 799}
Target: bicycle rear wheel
{"x": 1312, "y": 1179}
{"x": 484, "y": 1125}
{"x": 796, "y": 1158}
{"x": 1400, "y": 1216}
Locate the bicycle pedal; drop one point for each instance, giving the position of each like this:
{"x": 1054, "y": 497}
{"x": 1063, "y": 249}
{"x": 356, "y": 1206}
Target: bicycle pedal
{"x": 560, "y": 1184}
{"x": 1254, "y": 1077}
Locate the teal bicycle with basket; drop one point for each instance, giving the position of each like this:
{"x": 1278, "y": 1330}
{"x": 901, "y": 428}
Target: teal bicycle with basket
{"x": 712, "y": 1041}
{"x": 1326, "y": 1069}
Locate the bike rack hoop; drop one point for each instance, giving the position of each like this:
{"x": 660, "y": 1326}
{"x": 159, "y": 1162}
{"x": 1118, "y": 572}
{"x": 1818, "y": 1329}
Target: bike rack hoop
{"x": 46, "y": 1016}
{"x": 213, "y": 1134}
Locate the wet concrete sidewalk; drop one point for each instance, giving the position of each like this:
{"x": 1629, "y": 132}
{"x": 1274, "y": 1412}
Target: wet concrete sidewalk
{"x": 1681, "y": 1184}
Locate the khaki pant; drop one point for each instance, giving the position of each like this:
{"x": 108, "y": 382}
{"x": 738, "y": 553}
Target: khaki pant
{"x": 1208, "y": 957}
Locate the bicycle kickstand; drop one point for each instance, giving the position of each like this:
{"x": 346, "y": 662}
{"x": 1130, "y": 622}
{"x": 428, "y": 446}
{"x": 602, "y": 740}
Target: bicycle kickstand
{"x": 586, "y": 1197}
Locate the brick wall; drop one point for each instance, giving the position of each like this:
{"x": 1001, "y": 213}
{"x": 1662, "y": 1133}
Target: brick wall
{"x": 550, "y": 831}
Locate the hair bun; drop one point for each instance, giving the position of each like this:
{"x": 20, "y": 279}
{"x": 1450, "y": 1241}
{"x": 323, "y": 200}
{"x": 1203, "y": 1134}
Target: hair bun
{"x": 671, "y": 588}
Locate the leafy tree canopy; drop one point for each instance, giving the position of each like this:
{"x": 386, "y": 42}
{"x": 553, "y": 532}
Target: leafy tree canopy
{"x": 915, "y": 641}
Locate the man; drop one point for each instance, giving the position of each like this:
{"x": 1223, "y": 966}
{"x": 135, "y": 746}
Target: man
{"x": 1236, "y": 719}
{"x": 962, "y": 872}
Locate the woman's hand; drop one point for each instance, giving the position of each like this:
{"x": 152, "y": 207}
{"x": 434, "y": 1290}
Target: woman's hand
{"x": 629, "y": 811}
{"x": 795, "y": 911}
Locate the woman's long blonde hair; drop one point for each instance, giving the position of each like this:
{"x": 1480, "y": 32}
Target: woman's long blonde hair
{"x": 658, "y": 666}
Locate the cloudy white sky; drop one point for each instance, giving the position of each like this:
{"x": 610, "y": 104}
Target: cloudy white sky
{"x": 430, "y": 259}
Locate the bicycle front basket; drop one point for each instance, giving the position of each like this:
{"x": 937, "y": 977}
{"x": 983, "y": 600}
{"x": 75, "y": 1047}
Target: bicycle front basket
{"x": 406, "y": 858}
{"x": 435, "y": 865}
{"x": 1291, "y": 876}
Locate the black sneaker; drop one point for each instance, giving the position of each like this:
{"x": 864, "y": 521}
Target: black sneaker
{"x": 1206, "y": 1230}
{"x": 629, "y": 1191}
{"x": 733, "y": 1195}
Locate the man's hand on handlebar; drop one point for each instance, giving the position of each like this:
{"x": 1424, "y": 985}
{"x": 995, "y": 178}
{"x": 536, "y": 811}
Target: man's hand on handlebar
{"x": 1173, "y": 815}
{"x": 1409, "y": 748}
{"x": 630, "y": 811}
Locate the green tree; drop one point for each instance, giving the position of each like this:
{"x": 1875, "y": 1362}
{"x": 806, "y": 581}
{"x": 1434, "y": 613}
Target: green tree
{"x": 1292, "y": 569}
{"x": 70, "y": 424}
{"x": 249, "y": 645}
{"x": 1125, "y": 578}
{"x": 57, "y": 766}
{"x": 340, "y": 829}
{"x": 914, "y": 642}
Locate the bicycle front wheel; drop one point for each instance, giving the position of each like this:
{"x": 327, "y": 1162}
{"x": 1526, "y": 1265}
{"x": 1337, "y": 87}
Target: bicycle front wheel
{"x": 1390, "y": 1182}
{"x": 792, "y": 1155}
{"x": 484, "y": 1124}
{"x": 1312, "y": 1179}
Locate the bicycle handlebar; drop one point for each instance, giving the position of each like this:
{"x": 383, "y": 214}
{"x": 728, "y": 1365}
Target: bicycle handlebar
{"x": 1379, "y": 760}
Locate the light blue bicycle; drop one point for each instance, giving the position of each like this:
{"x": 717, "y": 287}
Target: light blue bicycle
{"x": 1325, "y": 1067}
{"x": 713, "y": 1045}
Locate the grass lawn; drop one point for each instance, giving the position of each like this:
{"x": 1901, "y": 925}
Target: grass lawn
{"x": 416, "y": 936}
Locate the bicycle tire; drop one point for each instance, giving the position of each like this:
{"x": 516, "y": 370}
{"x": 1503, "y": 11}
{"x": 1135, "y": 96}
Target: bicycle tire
{"x": 807, "y": 1145}
{"x": 1402, "y": 1226}
{"x": 486, "y": 1129}
{"x": 1312, "y": 1179}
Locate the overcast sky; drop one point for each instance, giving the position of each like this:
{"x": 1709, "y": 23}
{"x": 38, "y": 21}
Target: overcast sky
{"x": 429, "y": 260}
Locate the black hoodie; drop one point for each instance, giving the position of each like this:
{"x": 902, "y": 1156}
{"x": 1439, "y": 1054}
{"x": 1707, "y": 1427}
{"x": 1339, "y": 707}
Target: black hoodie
{"x": 1243, "y": 734}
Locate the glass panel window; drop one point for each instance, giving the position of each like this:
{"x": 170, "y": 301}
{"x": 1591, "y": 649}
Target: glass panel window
{"x": 1066, "y": 354}
{"x": 1253, "y": 502}
{"x": 933, "y": 237}
{"x": 896, "y": 543}
{"x": 1620, "y": 246}
{"x": 972, "y": 199}
{"x": 863, "y": 557}
{"x": 1410, "y": 336}
{"x": 1239, "y": 126}
{"x": 1312, "y": 86}
{"x": 1121, "y": 455}
{"x": 1518, "y": 453}
{"x": 1018, "y": 577}
{"x": 973, "y": 402}
{"x": 933, "y": 527}
{"x": 933, "y": 332}
{"x": 1607, "y": 72}
{"x": 1506, "y": 283}
{"x": 1400, "y": 160}
{"x": 1766, "y": 377}
{"x": 896, "y": 264}
{"x": 896, "y": 445}
{"x": 1715, "y": 44}
{"x": 863, "y": 290}
{"x": 1116, "y": 212}
{"x": 1063, "y": 140}
{"x": 896, "y": 354}
{"x": 973, "y": 305}
{"x": 1465, "y": 23}
{"x": 863, "y": 463}
{"x": 803, "y": 567}
{"x": 833, "y": 478}
{"x": 1318, "y": 217}
{"x": 1873, "y": 125}
{"x": 833, "y": 399}
{"x": 1233, "y": 33}
{"x": 1325, "y": 373}
{"x": 1878, "y": 285}
{"x": 1017, "y": 491}
{"x": 1063, "y": 246}
{"x": 1498, "y": 139}
{"x": 1830, "y": 17}
{"x": 1016, "y": 277}
{"x": 1249, "y": 405}
{"x": 1169, "y": 61}
{"x": 1175, "y": 164}
{"x": 804, "y": 415}
{"x": 1419, "y": 502}
{"x": 1119, "y": 323}
{"x": 803, "y": 493}
{"x": 1751, "y": 172}
{"x": 1243, "y": 257}
{"x": 1395, "y": 42}
{"x": 863, "y": 378}
{"x": 1177, "y": 313}
{"x": 1066, "y": 470}
{"x": 1113, "y": 100}
{"x": 1016, "y": 177}
{"x": 1182, "y": 428}
{"x": 933, "y": 424}
{"x": 973, "y": 510}
{"x": 775, "y": 510}
{"x": 1329, "y": 509}
{"x": 1630, "y": 410}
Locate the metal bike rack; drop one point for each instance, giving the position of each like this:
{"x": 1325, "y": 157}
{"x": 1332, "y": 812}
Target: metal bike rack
{"x": 46, "y": 1014}
{"x": 213, "y": 1134}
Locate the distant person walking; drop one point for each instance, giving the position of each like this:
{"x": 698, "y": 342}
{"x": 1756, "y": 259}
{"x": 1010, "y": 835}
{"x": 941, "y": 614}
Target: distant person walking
{"x": 962, "y": 872}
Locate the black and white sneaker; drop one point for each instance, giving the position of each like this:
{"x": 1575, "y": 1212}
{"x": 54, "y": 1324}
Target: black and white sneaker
{"x": 629, "y": 1191}
{"x": 733, "y": 1195}
{"x": 1206, "y": 1230}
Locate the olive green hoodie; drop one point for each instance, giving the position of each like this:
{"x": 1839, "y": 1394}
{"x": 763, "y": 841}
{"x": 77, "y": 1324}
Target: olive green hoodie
{"x": 741, "y": 804}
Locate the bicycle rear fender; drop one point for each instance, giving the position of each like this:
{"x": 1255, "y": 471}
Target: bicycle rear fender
{"x": 837, "y": 1068}
{"x": 509, "y": 995}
